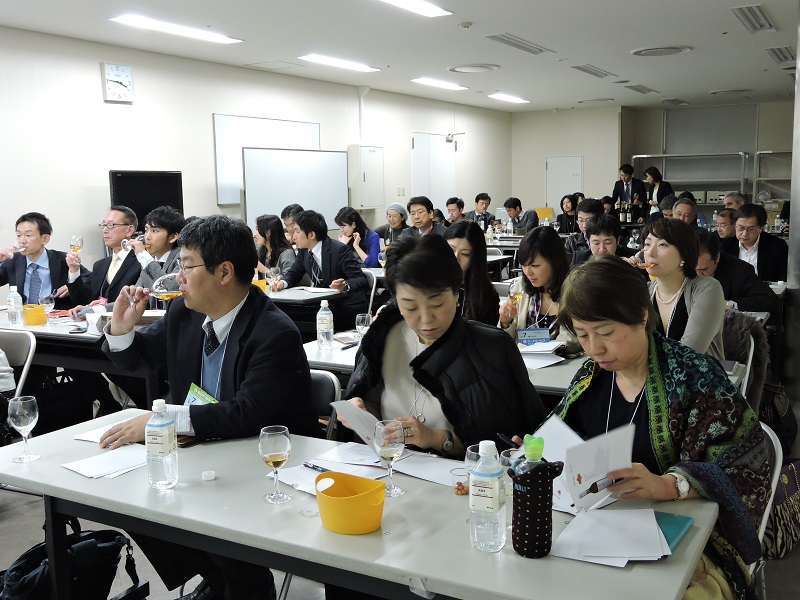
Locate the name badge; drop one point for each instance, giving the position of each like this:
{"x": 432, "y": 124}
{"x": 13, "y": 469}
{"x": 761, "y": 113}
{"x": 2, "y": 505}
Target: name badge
{"x": 198, "y": 396}
{"x": 532, "y": 335}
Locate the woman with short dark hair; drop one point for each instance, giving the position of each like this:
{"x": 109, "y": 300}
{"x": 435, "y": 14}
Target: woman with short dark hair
{"x": 691, "y": 309}
{"x": 480, "y": 299}
{"x": 567, "y": 222}
{"x": 451, "y": 382}
{"x": 274, "y": 251}
{"x": 695, "y": 435}
{"x": 657, "y": 188}
{"x": 365, "y": 243}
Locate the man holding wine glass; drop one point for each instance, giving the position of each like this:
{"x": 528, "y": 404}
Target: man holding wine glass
{"x": 34, "y": 269}
{"x": 227, "y": 338}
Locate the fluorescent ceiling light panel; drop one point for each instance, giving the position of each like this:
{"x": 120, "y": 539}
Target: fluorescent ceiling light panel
{"x": 337, "y": 62}
{"x": 420, "y": 7}
{"x": 509, "y": 98}
{"x": 446, "y": 85}
{"x": 190, "y": 32}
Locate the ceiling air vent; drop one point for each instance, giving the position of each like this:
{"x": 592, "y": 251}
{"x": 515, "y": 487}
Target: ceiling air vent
{"x": 782, "y": 56}
{"x": 518, "y": 43}
{"x": 593, "y": 71}
{"x": 674, "y": 102}
{"x": 641, "y": 89}
{"x": 754, "y": 19}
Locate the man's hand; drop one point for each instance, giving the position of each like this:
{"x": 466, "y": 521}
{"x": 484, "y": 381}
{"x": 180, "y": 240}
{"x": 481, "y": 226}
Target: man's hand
{"x": 277, "y": 286}
{"x": 338, "y": 284}
{"x": 137, "y": 246}
{"x": 6, "y": 252}
{"x": 127, "y": 432}
{"x": 62, "y": 292}
{"x": 128, "y": 309}
{"x": 73, "y": 260}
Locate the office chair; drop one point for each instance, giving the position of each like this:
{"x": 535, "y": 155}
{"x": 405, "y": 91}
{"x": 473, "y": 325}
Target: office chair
{"x": 371, "y": 278}
{"x": 757, "y": 568}
{"x": 19, "y": 347}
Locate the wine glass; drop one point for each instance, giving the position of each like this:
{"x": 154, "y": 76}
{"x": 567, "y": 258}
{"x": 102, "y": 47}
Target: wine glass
{"x": 389, "y": 443}
{"x": 641, "y": 261}
{"x": 556, "y": 226}
{"x": 49, "y": 303}
{"x": 125, "y": 244}
{"x": 471, "y": 457}
{"x": 515, "y": 290}
{"x": 166, "y": 287}
{"x": 275, "y": 445}
{"x": 363, "y": 321}
{"x": 23, "y": 413}
{"x": 382, "y": 258}
{"x": 76, "y": 243}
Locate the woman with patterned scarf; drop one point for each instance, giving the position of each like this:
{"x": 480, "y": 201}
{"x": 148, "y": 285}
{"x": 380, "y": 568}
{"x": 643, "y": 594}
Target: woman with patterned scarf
{"x": 696, "y": 436}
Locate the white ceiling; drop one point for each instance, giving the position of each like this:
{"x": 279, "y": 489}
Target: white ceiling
{"x": 601, "y": 33}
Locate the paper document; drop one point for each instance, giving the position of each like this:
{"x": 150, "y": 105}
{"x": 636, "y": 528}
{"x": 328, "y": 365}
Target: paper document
{"x": 540, "y": 347}
{"x": 538, "y": 360}
{"x": 361, "y": 421}
{"x": 94, "y": 435}
{"x": 108, "y": 462}
{"x": 302, "y": 478}
{"x": 317, "y": 290}
{"x": 428, "y": 467}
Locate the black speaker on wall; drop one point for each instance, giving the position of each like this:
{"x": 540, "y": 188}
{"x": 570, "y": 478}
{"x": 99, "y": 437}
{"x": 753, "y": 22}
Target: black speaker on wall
{"x": 142, "y": 191}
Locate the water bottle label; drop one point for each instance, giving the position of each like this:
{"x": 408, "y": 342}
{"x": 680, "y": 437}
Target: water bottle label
{"x": 484, "y": 493}
{"x": 324, "y": 322}
{"x": 160, "y": 440}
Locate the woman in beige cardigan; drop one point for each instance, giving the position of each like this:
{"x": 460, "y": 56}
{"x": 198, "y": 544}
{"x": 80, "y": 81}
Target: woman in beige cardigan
{"x": 691, "y": 309}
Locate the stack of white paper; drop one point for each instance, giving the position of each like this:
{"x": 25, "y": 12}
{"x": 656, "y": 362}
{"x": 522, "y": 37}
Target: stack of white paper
{"x": 110, "y": 463}
{"x": 302, "y": 478}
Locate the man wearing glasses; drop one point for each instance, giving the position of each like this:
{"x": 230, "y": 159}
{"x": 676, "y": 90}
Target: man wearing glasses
{"x": 420, "y": 209}
{"x": 768, "y": 254}
{"x": 578, "y": 242}
{"x": 226, "y": 338}
{"x": 110, "y": 274}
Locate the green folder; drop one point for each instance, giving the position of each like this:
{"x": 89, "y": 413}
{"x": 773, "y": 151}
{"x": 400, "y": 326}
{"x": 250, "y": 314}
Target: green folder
{"x": 673, "y": 526}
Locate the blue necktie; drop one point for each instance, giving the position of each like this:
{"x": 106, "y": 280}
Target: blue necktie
{"x": 34, "y": 285}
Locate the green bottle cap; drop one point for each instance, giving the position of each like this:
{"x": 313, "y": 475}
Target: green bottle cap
{"x": 534, "y": 446}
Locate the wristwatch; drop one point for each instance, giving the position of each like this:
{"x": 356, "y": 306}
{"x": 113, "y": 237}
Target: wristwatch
{"x": 681, "y": 485}
{"x": 346, "y": 286}
{"x": 447, "y": 445}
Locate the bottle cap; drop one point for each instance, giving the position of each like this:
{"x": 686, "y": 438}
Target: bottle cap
{"x": 487, "y": 448}
{"x": 208, "y": 475}
{"x": 534, "y": 446}
{"x": 12, "y": 288}
{"x": 324, "y": 303}
{"x": 159, "y": 405}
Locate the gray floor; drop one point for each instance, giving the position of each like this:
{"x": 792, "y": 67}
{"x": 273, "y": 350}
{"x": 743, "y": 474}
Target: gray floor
{"x": 22, "y": 516}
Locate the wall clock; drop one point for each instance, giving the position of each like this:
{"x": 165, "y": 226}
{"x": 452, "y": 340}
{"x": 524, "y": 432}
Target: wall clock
{"x": 117, "y": 83}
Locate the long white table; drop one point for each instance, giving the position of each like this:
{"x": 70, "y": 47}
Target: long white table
{"x": 301, "y": 296}
{"x": 423, "y": 539}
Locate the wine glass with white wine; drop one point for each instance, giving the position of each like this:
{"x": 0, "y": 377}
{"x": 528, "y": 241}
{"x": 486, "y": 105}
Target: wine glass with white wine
{"x": 389, "y": 443}
{"x": 166, "y": 287}
{"x": 76, "y": 243}
{"x": 23, "y": 414}
{"x": 275, "y": 445}
{"x": 382, "y": 258}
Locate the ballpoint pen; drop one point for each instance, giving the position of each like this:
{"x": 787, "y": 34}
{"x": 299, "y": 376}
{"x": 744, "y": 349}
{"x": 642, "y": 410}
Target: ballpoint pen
{"x": 315, "y": 467}
{"x": 351, "y": 345}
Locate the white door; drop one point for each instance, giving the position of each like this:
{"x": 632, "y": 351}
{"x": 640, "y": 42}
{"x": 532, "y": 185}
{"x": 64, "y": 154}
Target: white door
{"x": 433, "y": 167}
{"x": 564, "y": 176}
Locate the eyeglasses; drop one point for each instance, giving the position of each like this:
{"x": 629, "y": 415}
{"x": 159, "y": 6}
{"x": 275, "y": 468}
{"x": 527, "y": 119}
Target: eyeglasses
{"x": 110, "y": 226}
{"x": 751, "y": 229}
{"x": 186, "y": 268}
{"x": 418, "y": 213}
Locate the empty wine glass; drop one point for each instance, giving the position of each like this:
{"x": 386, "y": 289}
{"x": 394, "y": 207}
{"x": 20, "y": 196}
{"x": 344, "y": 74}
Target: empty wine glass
{"x": 382, "y": 258}
{"x": 23, "y": 413}
{"x": 471, "y": 457}
{"x": 125, "y": 244}
{"x": 275, "y": 445}
{"x": 389, "y": 443}
{"x": 166, "y": 287}
{"x": 49, "y": 302}
{"x": 363, "y": 321}
{"x": 556, "y": 225}
{"x": 76, "y": 243}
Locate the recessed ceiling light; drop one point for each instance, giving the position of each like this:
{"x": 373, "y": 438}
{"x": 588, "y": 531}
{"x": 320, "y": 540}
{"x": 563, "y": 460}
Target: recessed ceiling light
{"x": 420, "y": 7}
{"x": 661, "y": 51}
{"x": 729, "y": 92}
{"x": 514, "y": 41}
{"x": 182, "y": 30}
{"x": 476, "y": 68}
{"x": 590, "y": 100}
{"x": 446, "y": 85}
{"x": 508, "y": 98}
{"x": 641, "y": 89}
{"x": 337, "y": 62}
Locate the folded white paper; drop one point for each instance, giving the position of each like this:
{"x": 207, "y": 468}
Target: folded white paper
{"x": 110, "y": 461}
{"x": 540, "y": 347}
{"x": 302, "y": 478}
{"x": 361, "y": 421}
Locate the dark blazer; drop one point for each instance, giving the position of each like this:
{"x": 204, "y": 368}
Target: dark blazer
{"x": 338, "y": 262}
{"x": 637, "y": 189}
{"x": 741, "y": 284}
{"x": 85, "y": 289}
{"x": 264, "y": 379}
{"x": 664, "y": 190}
{"x": 438, "y": 229}
{"x": 527, "y": 219}
{"x": 473, "y": 216}
{"x": 773, "y": 255}
{"x": 12, "y": 272}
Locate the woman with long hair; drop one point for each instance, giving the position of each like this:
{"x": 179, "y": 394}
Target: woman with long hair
{"x": 567, "y": 220}
{"x": 355, "y": 233}
{"x": 480, "y": 299}
{"x": 274, "y": 251}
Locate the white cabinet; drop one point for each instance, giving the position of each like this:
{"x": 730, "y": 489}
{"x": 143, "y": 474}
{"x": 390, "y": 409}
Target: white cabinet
{"x": 365, "y": 176}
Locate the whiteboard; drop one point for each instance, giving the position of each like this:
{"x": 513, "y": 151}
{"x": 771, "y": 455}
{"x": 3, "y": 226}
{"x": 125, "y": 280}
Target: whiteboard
{"x": 232, "y": 133}
{"x": 274, "y": 178}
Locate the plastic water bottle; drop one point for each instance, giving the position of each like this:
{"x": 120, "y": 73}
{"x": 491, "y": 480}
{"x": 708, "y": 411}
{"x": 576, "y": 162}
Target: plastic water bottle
{"x": 534, "y": 446}
{"x": 509, "y": 227}
{"x": 487, "y": 515}
{"x": 713, "y": 225}
{"x": 161, "y": 445}
{"x": 14, "y": 301}
{"x": 324, "y": 326}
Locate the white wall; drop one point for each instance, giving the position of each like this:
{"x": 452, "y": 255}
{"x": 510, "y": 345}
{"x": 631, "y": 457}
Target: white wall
{"x": 59, "y": 139}
{"x": 593, "y": 133}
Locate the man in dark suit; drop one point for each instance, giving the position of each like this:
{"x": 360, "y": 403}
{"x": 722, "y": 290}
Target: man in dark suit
{"x": 328, "y": 263}
{"x": 420, "y": 209}
{"x": 769, "y": 255}
{"x": 110, "y": 274}
{"x": 632, "y": 190}
{"x": 481, "y": 214}
{"x": 526, "y": 220}
{"x": 35, "y": 270}
{"x": 740, "y": 284}
{"x": 578, "y": 241}
{"x": 227, "y": 337}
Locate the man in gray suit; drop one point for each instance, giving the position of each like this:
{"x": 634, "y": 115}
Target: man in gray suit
{"x": 526, "y": 220}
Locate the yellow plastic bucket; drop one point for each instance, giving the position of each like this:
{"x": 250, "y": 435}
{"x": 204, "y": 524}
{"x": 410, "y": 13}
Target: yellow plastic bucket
{"x": 349, "y": 504}
{"x": 262, "y": 283}
{"x": 33, "y": 314}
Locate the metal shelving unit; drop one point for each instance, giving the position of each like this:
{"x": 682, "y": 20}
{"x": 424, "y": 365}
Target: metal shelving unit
{"x": 772, "y": 171}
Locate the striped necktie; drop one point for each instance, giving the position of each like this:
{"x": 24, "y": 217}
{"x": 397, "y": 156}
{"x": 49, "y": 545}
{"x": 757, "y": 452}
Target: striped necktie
{"x": 316, "y": 272}
{"x": 34, "y": 285}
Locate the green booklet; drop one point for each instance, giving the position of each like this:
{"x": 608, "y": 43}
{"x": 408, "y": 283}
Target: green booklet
{"x": 673, "y": 526}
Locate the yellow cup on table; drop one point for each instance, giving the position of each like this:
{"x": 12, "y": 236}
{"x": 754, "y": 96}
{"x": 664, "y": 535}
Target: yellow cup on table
{"x": 262, "y": 283}
{"x": 33, "y": 314}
